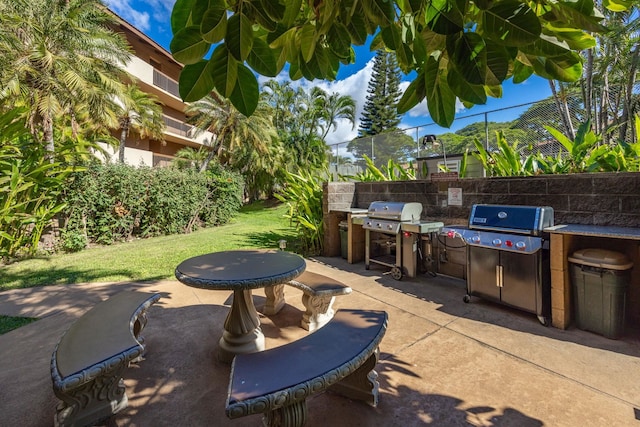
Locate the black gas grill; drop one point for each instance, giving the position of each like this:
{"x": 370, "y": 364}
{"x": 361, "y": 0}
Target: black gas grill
{"x": 508, "y": 256}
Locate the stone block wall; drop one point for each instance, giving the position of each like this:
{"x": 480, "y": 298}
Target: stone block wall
{"x": 593, "y": 199}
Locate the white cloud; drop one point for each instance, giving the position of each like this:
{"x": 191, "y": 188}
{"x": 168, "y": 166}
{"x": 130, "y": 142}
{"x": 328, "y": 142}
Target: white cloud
{"x": 137, "y": 18}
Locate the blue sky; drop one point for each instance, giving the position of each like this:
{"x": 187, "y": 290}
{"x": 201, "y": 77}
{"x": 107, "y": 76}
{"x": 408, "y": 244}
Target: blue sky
{"x": 153, "y": 18}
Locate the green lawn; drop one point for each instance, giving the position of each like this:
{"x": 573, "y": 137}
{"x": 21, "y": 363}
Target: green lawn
{"x": 256, "y": 226}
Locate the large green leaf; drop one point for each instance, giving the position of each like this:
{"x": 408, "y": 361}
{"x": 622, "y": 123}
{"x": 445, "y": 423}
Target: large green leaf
{"x": 214, "y": 24}
{"x": 445, "y": 16}
{"x": 565, "y": 68}
{"x": 187, "y": 45}
{"x": 245, "y": 94}
{"x": 239, "y": 38}
{"x": 440, "y": 99}
{"x": 292, "y": 10}
{"x": 580, "y": 13}
{"x": 468, "y": 54}
{"x": 225, "y": 70}
{"x": 340, "y": 40}
{"x": 180, "y": 14}
{"x": 391, "y": 36}
{"x": 307, "y": 36}
{"x": 498, "y": 59}
{"x": 521, "y": 72}
{"x": 195, "y": 81}
{"x": 575, "y": 39}
{"x": 262, "y": 59}
{"x": 380, "y": 12}
{"x": 511, "y": 22}
{"x": 274, "y": 9}
{"x": 617, "y": 5}
{"x": 474, "y": 94}
{"x": 357, "y": 30}
{"x": 414, "y": 93}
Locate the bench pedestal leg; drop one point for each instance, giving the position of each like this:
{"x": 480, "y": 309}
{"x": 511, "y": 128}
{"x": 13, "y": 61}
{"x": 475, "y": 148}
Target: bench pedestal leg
{"x": 293, "y": 415}
{"x": 319, "y": 311}
{"x": 275, "y": 299}
{"x": 361, "y": 384}
{"x": 94, "y": 402}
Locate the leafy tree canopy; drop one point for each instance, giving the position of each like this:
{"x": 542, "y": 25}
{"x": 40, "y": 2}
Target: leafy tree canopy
{"x": 455, "y": 48}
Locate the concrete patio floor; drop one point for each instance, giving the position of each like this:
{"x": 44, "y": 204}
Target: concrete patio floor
{"x": 443, "y": 362}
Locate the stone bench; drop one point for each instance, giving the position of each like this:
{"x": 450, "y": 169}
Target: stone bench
{"x": 319, "y": 293}
{"x": 88, "y": 361}
{"x": 340, "y": 356}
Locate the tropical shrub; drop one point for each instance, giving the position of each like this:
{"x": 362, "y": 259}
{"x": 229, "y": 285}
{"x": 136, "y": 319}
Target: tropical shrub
{"x": 302, "y": 192}
{"x": 30, "y": 185}
{"x": 391, "y": 172}
{"x": 583, "y": 153}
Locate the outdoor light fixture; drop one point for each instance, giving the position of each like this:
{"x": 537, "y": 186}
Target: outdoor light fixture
{"x": 282, "y": 244}
{"x": 428, "y": 139}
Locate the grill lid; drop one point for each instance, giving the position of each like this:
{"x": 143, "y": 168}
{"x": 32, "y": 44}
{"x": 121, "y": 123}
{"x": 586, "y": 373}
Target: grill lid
{"x": 395, "y": 211}
{"x": 509, "y": 218}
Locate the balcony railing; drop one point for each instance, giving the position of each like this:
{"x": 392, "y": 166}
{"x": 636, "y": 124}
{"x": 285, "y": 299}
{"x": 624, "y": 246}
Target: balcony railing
{"x": 178, "y": 127}
{"x": 165, "y": 83}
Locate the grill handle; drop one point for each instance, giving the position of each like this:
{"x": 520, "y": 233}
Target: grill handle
{"x": 499, "y": 281}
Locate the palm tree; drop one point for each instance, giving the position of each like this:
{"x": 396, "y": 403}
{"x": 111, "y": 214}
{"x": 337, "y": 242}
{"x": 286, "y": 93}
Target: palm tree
{"x": 334, "y": 107}
{"x": 61, "y": 59}
{"x": 231, "y": 128}
{"x": 140, "y": 112}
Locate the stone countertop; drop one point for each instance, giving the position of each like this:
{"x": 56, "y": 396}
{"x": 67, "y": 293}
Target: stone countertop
{"x": 596, "y": 231}
{"x": 350, "y": 210}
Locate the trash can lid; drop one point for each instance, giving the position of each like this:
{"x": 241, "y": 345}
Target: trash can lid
{"x": 343, "y": 224}
{"x": 602, "y": 258}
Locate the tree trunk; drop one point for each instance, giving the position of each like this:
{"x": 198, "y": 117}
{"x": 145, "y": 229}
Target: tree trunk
{"x": 627, "y": 107}
{"x": 47, "y": 136}
{"x": 587, "y": 89}
{"x": 561, "y": 105}
{"x": 123, "y": 140}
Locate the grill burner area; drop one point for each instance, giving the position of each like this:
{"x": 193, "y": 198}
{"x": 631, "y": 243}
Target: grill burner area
{"x": 508, "y": 256}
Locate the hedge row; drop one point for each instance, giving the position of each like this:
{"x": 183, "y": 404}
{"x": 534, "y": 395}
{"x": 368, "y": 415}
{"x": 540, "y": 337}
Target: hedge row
{"x": 109, "y": 203}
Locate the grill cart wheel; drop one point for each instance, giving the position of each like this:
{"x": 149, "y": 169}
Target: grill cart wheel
{"x": 544, "y": 320}
{"x": 466, "y": 298}
{"x": 396, "y": 273}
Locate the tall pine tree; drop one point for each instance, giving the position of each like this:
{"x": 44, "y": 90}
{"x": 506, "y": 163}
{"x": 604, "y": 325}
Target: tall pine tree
{"x": 378, "y": 134}
{"x": 380, "y": 112}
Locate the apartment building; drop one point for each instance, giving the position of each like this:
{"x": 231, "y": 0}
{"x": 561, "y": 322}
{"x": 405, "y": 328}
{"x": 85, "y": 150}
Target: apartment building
{"x": 157, "y": 73}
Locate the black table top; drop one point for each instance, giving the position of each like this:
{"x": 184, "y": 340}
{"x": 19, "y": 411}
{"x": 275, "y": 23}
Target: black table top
{"x": 240, "y": 269}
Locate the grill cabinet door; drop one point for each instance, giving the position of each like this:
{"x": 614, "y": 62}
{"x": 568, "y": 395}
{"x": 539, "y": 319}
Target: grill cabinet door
{"x": 520, "y": 280}
{"x": 482, "y": 278}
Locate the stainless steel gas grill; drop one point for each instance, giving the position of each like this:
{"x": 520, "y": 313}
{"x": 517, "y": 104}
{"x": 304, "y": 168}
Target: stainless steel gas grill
{"x": 508, "y": 256}
{"x": 384, "y": 236}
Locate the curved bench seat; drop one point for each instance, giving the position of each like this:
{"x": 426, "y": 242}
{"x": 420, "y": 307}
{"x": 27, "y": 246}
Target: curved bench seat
{"x": 88, "y": 361}
{"x": 341, "y": 356}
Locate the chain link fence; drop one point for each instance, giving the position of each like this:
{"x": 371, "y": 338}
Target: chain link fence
{"x": 520, "y": 124}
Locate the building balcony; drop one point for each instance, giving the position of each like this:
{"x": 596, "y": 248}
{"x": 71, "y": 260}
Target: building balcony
{"x": 184, "y": 133}
{"x": 153, "y": 81}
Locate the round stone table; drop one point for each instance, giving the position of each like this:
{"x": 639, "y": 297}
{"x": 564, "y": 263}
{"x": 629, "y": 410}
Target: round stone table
{"x": 240, "y": 271}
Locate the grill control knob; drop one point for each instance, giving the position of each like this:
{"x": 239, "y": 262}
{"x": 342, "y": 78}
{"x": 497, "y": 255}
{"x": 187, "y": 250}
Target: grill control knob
{"x": 475, "y": 239}
{"x": 496, "y": 242}
{"x": 521, "y": 246}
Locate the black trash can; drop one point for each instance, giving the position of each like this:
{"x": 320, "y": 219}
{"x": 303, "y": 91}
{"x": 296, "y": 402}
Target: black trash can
{"x": 600, "y": 280}
{"x": 344, "y": 240}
